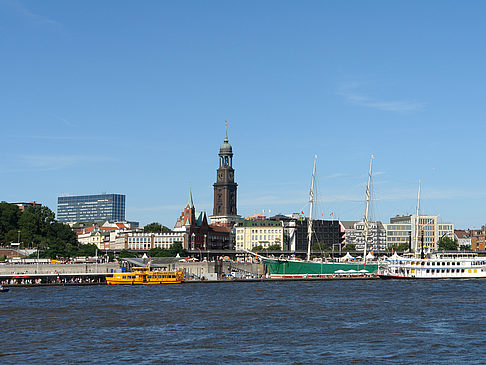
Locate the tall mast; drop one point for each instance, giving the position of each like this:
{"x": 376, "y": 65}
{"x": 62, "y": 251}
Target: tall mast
{"x": 417, "y": 220}
{"x": 365, "y": 219}
{"x": 311, "y": 201}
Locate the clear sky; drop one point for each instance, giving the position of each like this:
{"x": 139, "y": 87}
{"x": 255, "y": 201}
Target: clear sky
{"x": 130, "y": 97}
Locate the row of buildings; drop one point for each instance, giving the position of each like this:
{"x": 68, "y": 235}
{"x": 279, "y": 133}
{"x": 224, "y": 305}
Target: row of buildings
{"x": 225, "y": 229}
{"x": 281, "y": 232}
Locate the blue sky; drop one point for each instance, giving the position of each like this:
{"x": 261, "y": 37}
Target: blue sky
{"x": 131, "y": 97}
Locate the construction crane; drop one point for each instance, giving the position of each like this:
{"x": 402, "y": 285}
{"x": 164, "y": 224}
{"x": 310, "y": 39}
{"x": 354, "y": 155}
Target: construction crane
{"x": 255, "y": 215}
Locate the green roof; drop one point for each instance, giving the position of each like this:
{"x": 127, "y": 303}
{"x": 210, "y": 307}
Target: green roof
{"x": 257, "y": 223}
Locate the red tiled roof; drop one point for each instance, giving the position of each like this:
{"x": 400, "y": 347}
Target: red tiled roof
{"x": 219, "y": 228}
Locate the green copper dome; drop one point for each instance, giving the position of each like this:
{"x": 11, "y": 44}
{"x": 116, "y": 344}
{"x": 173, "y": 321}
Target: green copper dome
{"x": 226, "y": 147}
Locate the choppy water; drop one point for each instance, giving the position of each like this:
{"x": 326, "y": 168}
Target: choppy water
{"x": 279, "y": 322}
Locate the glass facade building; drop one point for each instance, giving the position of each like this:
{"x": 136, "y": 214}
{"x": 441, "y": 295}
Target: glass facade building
{"x": 88, "y": 208}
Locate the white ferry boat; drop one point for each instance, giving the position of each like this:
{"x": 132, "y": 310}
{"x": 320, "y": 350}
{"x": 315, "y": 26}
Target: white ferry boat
{"x": 435, "y": 266}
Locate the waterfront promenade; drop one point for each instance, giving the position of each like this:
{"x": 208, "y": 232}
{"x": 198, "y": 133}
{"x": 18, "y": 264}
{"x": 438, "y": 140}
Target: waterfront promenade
{"x": 15, "y": 275}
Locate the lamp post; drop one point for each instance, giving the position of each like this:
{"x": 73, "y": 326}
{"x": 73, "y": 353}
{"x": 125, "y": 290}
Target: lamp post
{"x": 18, "y": 238}
{"x": 206, "y": 245}
{"x": 37, "y": 263}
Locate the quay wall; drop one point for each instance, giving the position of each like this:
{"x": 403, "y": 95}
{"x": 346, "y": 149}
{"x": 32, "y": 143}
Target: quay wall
{"x": 31, "y": 269}
{"x": 202, "y": 269}
{"x": 196, "y": 269}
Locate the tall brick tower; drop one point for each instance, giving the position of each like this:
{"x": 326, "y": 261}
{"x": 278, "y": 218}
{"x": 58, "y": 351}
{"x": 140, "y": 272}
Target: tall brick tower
{"x": 224, "y": 210}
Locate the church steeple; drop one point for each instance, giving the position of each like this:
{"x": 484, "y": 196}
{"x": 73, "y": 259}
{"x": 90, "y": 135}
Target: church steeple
{"x": 224, "y": 211}
{"x": 225, "y": 131}
{"x": 190, "y": 204}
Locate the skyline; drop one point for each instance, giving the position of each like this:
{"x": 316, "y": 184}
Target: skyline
{"x": 131, "y": 98}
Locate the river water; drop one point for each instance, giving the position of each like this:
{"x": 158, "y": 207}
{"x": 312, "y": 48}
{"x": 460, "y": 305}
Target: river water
{"x": 260, "y": 322}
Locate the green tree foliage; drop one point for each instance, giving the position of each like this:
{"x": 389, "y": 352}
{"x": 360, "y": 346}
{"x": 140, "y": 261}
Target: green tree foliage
{"x": 158, "y": 252}
{"x": 127, "y": 254}
{"x": 318, "y": 246}
{"x": 275, "y": 247}
{"x": 176, "y": 249}
{"x": 447, "y": 244}
{"x": 173, "y": 251}
{"x": 9, "y": 222}
{"x": 156, "y": 228}
{"x": 38, "y": 228}
{"x": 350, "y": 247}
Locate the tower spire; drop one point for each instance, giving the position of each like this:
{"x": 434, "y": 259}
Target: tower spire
{"x": 226, "y": 131}
{"x": 189, "y": 200}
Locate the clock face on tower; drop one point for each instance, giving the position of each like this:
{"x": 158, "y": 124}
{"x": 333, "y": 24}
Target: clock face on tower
{"x": 220, "y": 175}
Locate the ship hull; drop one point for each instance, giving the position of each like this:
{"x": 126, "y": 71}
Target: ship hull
{"x": 288, "y": 269}
{"x": 397, "y": 277}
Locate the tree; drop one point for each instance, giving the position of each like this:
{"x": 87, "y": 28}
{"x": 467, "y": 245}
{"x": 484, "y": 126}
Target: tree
{"x": 177, "y": 249}
{"x": 447, "y": 244}
{"x": 156, "y": 228}
{"x": 127, "y": 254}
{"x": 318, "y": 246}
{"x": 274, "y": 247}
{"x": 9, "y": 220}
{"x": 257, "y": 248}
{"x": 349, "y": 247}
{"x": 158, "y": 252}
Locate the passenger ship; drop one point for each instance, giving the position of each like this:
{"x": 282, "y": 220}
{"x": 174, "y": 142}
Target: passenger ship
{"x": 145, "y": 276}
{"x": 435, "y": 266}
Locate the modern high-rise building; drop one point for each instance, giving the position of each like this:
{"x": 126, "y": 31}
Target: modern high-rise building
{"x": 403, "y": 230}
{"x": 89, "y": 208}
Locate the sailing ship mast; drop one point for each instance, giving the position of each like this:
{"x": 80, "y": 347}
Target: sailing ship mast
{"x": 417, "y": 221}
{"x": 311, "y": 201}
{"x": 365, "y": 219}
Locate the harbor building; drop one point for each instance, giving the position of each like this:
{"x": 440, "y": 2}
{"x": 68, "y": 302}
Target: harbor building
{"x": 225, "y": 188}
{"x": 463, "y": 238}
{"x": 478, "y": 238}
{"x": 148, "y": 240}
{"x": 252, "y": 233}
{"x": 354, "y": 233}
{"x": 23, "y": 205}
{"x": 84, "y": 208}
{"x": 327, "y": 234}
{"x": 197, "y": 233}
{"x": 403, "y": 230}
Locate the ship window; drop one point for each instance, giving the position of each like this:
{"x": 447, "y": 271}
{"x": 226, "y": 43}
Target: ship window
{"x": 427, "y": 271}
{"x": 124, "y": 277}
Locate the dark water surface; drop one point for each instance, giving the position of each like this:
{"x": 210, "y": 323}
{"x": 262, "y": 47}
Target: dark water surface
{"x": 279, "y": 322}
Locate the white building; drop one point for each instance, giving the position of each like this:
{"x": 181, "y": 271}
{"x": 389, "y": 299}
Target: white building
{"x": 354, "y": 234}
{"x": 406, "y": 230}
{"x": 253, "y": 233}
{"x": 133, "y": 240}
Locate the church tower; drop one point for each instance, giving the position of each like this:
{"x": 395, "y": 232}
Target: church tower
{"x": 224, "y": 210}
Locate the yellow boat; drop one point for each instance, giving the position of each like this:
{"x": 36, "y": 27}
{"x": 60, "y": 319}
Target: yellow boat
{"x": 145, "y": 276}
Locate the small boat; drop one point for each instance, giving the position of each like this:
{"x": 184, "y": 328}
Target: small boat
{"x": 145, "y": 276}
{"x": 3, "y": 289}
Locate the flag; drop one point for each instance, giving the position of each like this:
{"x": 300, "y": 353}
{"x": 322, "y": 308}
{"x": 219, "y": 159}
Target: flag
{"x": 331, "y": 214}
{"x": 302, "y": 212}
